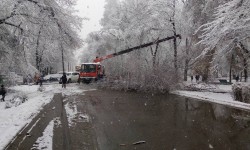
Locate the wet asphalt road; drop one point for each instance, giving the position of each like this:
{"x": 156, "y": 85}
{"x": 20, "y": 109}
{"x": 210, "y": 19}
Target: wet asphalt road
{"x": 164, "y": 122}
{"x": 119, "y": 119}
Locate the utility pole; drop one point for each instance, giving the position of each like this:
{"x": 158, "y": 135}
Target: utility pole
{"x": 62, "y": 58}
{"x": 68, "y": 67}
{"x": 60, "y": 34}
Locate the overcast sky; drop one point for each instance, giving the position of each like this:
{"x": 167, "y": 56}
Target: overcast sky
{"x": 92, "y": 9}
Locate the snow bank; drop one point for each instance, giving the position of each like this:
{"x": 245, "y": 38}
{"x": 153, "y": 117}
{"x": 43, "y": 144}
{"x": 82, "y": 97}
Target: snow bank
{"x": 241, "y": 92}
{"x": 71, "y": 110}
{"x": 220, "y": 94}
{"x": 13, "y": 119}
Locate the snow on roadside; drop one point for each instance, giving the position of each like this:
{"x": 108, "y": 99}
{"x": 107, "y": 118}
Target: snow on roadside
{"x": 73, "y": 114}
{"x": 219, "y": 98}
{"x": 45, "y": 141}
{"x": 71, "y": 111}
{"x": 12, "y": 120}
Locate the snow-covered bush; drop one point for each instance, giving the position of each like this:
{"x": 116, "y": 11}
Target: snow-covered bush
{"x": 237, "y": 92}
{"x": 246, "y": 93}
{"x": 241, "y": 92}
{"x": 159, "y": 79}
{"x": 198, "y": 87}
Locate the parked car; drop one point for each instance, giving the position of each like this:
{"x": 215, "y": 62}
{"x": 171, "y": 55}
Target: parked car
{"x": 52, "y": 77}
{"x": 60, "y": 72}
{"x": 46, "y": 78}
{"x": 72, "y": 76}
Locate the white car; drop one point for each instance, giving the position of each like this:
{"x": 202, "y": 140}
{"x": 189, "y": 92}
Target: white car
{"x": 72, "y": 76}
{"x": 52, "y": 77}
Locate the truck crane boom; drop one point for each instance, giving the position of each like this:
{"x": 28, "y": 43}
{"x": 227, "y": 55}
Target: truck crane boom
{"x": 135, "y": 48}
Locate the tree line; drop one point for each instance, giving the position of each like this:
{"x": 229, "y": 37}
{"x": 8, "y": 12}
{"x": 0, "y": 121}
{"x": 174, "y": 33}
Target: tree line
{"x": 214, "y": 43}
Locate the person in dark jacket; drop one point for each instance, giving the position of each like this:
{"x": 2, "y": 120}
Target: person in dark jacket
{"x": 64, "y": 80}
{"x": 197, "y": 77}
{"x": 2, "y": 92}
{"x": 41, "y": 80}
{"x": 237, "y": 78}
{"x": 36, "y": 78}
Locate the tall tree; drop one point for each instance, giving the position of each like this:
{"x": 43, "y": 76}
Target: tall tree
{"x": 36, "y": 25}
{"x": 228, "y": 29}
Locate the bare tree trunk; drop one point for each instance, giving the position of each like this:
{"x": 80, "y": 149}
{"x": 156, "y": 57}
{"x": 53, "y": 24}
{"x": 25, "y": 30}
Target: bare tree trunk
{"x": 230, "y": 71}
{"x": 172, "y": 20}
{"x": 186, "y": 61}
{"x": 38, "y": 59}
{"x": 245, "y": 68}
{"x": 175, "y": 47}
{"x": 206, "y": 63}
{"x": 245, "y": 52}
{"x": 154, "y": 54}
{"x": 230, "y": 74}
{"x": 205, "y": 75}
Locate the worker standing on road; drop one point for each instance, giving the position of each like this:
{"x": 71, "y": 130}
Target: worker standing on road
{"x": 237, "y": 78}
{"x": 64, "y": 80}
{"x": 192, "y": 78}
{"x": 41, "y": 80}
{"x": 29, "y": 79}
{"x": 197, "y": 77}
{"x": 36, "y": 78}
{"x": 2, "y": 92}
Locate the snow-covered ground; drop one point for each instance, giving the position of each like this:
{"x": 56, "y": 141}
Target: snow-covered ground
{"x": 71, "y": 110}
{"x": 216, "y": 93}
{"x": 13, "y": 119}
{"x": 45, "y": 141}
{"x": 73, "y": 115}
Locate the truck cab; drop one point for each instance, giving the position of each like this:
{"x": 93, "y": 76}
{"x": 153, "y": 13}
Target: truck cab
{"x": 91, "y": 71}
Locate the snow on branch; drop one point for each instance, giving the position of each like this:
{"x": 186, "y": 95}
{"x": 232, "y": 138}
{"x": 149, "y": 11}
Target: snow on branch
{"x": 232, "y": 21}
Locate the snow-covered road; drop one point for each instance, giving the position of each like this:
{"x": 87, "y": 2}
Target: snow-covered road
{"x": 13, "y": 119}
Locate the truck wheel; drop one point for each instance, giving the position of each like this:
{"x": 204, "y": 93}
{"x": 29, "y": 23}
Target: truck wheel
{"x": 86, "y": 81}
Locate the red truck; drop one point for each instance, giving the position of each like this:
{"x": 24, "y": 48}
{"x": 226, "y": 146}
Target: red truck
{"x": 91, "y": 72}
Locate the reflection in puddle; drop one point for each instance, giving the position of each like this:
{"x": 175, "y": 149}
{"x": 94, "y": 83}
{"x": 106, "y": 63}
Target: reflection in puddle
{"x": 169, "y": 122}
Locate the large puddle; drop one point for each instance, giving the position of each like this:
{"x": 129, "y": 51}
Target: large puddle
{"x": 165, "y": 122}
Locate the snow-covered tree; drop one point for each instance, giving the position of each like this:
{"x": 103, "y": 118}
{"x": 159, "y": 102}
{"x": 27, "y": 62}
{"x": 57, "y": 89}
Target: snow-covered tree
{"x": 195, "y": 14}
{"x": 228, "y": 32}
{"x": 42, "y": 29}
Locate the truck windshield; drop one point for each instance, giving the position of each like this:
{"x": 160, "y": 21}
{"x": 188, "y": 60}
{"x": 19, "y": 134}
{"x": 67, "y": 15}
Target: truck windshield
{"x": 88, "y": 68}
